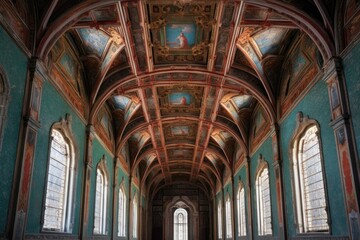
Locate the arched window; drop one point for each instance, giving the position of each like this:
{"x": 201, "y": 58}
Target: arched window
{"x": 4, "y": 100}
{"x": 59, "y": 187}
{"x": 308, "y": 179}
{"x": 228, "y": 217}
{"x": 219, "y": 215}
{"x": 122, "y": 213}
{"x": 100, "y": 199}
{"x": 241, "y": 215}
{"x": 263, "y": 201}
{"x": 180, "y": 224}
{"x": 135, "y": 217}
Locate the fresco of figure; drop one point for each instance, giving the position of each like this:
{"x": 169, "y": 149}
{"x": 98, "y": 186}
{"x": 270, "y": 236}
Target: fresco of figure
{"x": 183, "y": 41}
{"x": 183, "y": 101}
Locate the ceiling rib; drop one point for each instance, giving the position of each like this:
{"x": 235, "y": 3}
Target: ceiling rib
{"x": 214, "y": 40}
{"x": 164, "y": 162}
{"x": 131, "y": 56}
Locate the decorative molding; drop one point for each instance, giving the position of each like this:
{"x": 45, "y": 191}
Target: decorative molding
{"x": 245, "y": 36}
{"x": 14, "y": 26}
{"x": 116, "y": 37}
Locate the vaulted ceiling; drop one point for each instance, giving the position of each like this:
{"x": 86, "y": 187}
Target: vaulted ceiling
{"x": 186, "y": 82}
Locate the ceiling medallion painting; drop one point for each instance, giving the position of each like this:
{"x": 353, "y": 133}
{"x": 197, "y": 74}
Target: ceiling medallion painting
{"x": 180, "y": 101}
{"x": 180, "y": 130}
{"x": 181, "y": 31}
{"x": 177, "y": 129}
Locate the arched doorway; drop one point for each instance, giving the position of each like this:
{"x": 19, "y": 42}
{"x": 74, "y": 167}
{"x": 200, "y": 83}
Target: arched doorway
{"x": 181, "y": 207}
{"x": 168, "y": 200}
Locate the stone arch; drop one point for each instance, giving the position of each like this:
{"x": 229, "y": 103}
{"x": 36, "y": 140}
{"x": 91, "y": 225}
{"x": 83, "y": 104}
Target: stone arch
{"x": 193, "y": 213}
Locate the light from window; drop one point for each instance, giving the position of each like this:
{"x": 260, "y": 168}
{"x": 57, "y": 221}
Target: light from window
{"x": 122, "y": 213}
{"x": 180, "y": 224}
{"x": 263, "y": 203}
{"x": 100, "y": 203}
{"x": 58, "y": 198}
{"x": 135, "y": 217}
{"x": 219, "y": 221}
{"x": 241, "y": 215}
{"x": 309, "y": 183}
{"x": 228, "y": 218}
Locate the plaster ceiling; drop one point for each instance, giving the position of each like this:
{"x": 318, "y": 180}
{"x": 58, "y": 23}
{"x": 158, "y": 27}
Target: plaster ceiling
{"x": 184, "y": 78}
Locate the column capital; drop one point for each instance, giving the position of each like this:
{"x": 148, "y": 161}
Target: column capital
{"x": 334, "y": 65}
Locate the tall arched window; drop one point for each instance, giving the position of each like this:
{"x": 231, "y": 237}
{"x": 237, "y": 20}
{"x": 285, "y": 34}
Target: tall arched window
{"x": 219, "y": 215}
{"x": 180, "y": 224}
{"x": 241, "y": 214}
{"x": 228, "y": 217}
{"x": 122, "y": 213}
{"x": 263, "y": 201}
{"x": 135, "y": 217}
{"x": 59, "y": 187}
{"x": 308, "y": 179}
{"x": 100, "y": 199}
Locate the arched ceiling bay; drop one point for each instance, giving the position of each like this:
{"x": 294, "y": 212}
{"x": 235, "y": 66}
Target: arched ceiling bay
{"x": 187, "y": 82}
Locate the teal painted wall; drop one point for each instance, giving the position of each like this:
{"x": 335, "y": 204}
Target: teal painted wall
{"x": 53, "y": 108}
{"x": 98, "y": 152}
{"x": 352, "y": 77}
{"x": 240, "y": 176}
{"x": 266, "y": 151}
{"x": 320, "y": 112}
{"x": 14, "y": 63}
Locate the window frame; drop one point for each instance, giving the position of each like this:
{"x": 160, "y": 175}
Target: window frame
{"x": 219, "y": 220}
{"x": 135, "y": 217}
{"x": 64, "y": 128}
{"x": 304, "y": 124}
{"x": 241, "y": 214}
{"x": 122, "y": 212}
{"x": 101, "y": 168}
{"x": 186, "y": 222}
{"x": 262, "y": 228}
{"x": 228, "y": 217}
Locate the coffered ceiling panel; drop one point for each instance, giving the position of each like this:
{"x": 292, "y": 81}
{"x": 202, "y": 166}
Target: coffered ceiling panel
{"x": 180, "y": 33}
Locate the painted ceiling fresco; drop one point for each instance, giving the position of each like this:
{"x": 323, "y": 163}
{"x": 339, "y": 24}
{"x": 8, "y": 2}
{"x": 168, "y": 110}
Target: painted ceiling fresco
{"x": 180, "y": 33}
{"x": 94, "y": 40}
{"x": 190, "y": 86}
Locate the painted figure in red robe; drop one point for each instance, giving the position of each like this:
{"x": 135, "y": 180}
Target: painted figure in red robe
{"x": 183, "y": 41}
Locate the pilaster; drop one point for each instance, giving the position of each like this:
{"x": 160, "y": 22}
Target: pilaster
{"x": 278, "y": 181}
{"x": 87, "y": 181}
{"x": 345, "y": 144}
{"x": 249, "y": 190}
{"x": 26, "y": 152}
